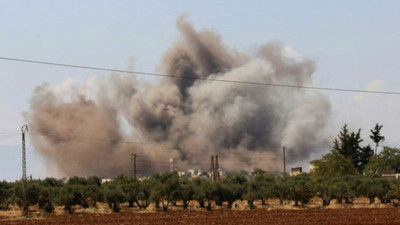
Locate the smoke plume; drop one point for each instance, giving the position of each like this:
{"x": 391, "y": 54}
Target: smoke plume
{"x": 94, "y": 127}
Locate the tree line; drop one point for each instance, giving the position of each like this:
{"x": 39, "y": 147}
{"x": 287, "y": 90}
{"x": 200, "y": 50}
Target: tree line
{"x": 169, "y": 188}
{"x": 347, "y": 172}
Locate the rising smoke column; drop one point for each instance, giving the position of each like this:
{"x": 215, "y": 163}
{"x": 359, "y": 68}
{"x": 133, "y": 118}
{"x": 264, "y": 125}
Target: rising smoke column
{"x": 72, "y": 132}
{"x": 189, "y": 119}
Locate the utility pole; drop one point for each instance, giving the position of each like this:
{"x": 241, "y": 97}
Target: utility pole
{"x": 212, "y": 169}
{"x": 216, "y": 167}
{"x": 24, "y": 129}
{"x": 133, "y": 160}
{"x": 284, "y": 162}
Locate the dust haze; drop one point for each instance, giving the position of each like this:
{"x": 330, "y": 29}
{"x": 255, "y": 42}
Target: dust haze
{"x": 94, "y": 127}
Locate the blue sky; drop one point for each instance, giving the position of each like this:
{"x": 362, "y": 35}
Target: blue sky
{"x": 355, "y": 44}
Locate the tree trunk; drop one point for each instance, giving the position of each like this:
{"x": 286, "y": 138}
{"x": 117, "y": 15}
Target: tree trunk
{"x": 326, "y": 201}
{"x": 209, "y": 206}
{"x": 185, "y": 204}
{"x": 348, "y": 200}
{"x": 263, "y": 200}
{"x": 157, "y": 204}
{"x": 68, "y": 208}
{"x": 251, "y": 204}
{"x": 142, "y": 204}
{"x": 371, "y": 200}
{"x": 230, "y": 204}
{"x": 93, "y": 204}
{"x": 201, "y": 203}
{"x": 165, "y": 205}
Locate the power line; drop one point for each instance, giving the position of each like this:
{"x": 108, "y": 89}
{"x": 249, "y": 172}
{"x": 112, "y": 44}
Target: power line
{"x": 197, "y": 78}
{"x": 9, "y": 135}
{"x": 8, "y": 132}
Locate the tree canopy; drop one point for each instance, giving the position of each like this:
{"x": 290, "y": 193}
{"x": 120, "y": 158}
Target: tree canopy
{"x": 376, "y": 136}
{"x": 386, "y": 161}
{"x": 332, "y": 164}
{"x": 348, "y": 144}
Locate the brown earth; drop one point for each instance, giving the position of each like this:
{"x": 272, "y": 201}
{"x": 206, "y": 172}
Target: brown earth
{"x": 347, "y": 216}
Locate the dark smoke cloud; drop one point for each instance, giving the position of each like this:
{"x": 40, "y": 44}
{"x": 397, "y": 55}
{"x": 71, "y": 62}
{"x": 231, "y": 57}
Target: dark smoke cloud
{"x": 185, "y": 119}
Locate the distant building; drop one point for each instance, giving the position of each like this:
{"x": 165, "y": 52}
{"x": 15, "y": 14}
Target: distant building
{"x": 390, "y": 175}
{"x": 181, "y": 173}
{"x": 296, "y": 171}
{"x": 106, "y": 180}
{"x": 192, "y": 172}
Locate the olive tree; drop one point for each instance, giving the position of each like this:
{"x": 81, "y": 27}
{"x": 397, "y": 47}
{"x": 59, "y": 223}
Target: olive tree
{"x": 261, "y": 186}
{"x": 203, "y": 192}
{"x": 69, "y": 196}
{"x": 374, "y": 188}
{"x": 5, "y": 195}
{"x": 301, "y": 189}
{"x": 187, "y": 191}
{"x": 323, "y": 189}
{"x": 143, "y": 196}
{"x": 231, "y": 188}
{"x": 113, "y": 195}
{"x": 166, "y": 189}
{"x": 280, "y": 189}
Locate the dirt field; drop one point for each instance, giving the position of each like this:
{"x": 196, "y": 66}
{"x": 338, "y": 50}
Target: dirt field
{"x": 363, "y": 216}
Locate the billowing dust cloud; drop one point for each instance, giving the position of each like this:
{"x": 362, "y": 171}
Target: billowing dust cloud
{"x": 93, "y": 128}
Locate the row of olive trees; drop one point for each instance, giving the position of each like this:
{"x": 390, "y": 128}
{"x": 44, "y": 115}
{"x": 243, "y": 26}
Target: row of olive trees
{"x": 50, "y": 191}
{"x": 169, "y": 189}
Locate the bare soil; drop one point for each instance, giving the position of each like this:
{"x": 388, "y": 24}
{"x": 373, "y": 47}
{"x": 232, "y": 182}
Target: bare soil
{"x": 343, "y": 216}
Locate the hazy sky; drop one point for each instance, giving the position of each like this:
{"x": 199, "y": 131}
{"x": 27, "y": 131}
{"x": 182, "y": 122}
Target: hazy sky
{"x": 355, "y": 45}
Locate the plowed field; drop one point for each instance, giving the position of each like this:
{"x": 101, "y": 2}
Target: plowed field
{"x": 248, "y": 217}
